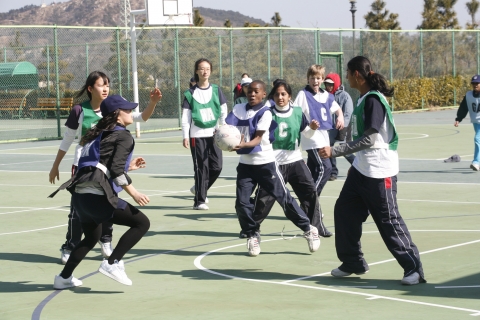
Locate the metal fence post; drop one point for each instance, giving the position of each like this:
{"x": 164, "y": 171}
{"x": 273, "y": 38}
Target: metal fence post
{"x": 119, "y": 65}
{"x": 280, "y": 40}
{"x": 478, "y": 55}
{"x": 5, "y": 54}
{"x": 231, "y": 64}
{"x": 48, "y": 71}
{"x": 269, "y": 77}
{"x": 421, "y": 63}
{"x": 86, "y": 59}
{"x": 177, "y": 78}
{"x": 454, "y": 71}
{"x": 391, "y": 63}
{"x": 57, "y": 82}
{"x": 220, "y": 59}
{"x": 341, "y": 50}
{"x": 128, "y": 64}
{"x": 317, "y": 52}
{"x": 361, "y": 42}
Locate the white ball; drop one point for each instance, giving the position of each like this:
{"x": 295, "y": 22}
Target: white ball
{"x": 227, "y": 137}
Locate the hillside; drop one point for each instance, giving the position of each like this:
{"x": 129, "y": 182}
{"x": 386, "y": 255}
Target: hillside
{"x": 103, "y": 13}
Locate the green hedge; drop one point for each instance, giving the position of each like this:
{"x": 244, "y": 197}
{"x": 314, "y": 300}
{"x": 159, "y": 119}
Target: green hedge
{"x": 415, "y": 93}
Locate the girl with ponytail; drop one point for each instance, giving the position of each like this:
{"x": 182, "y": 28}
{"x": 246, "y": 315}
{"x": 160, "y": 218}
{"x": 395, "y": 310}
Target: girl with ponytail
{"x": 371, "y": 184}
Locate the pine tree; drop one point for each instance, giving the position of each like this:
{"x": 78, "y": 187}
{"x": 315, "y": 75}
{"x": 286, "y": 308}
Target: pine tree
{"x": 472, "y": 8}
{"x": 380, "y": 18}
{"x": 431, "y": 18}
{"x": 198, "y": 19}
{"x": 276, "y": 19}
{"x": 448, "y": 14}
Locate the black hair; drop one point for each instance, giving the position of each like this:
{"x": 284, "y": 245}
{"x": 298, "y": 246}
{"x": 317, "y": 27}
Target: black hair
{"x": 245, "y": 74}
{"x": 375, "y": 80}
{"x": 277, "y": 84}
{"x": 106, "y": 123}
{"x": 260, "y": 82}
{"x": 90, "y": 82}
{"x": 197, "y": 63}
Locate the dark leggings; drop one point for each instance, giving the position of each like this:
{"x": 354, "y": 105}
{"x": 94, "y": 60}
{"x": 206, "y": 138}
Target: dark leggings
{"x": 131, "y": 217}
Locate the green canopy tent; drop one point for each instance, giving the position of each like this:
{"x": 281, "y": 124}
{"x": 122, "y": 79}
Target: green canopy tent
{"x": 17, "y": 81}
{"x": 18, "y": 75}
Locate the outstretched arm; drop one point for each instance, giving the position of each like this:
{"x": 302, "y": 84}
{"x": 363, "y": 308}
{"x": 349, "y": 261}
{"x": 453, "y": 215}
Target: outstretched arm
{"x": 155, "y": 97}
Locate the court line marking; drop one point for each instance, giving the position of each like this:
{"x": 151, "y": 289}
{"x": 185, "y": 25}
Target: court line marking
{"x": 58, "y": 208}
{"x": 39, "y": 308}
{"x": 15, "y": 163}
{"x": 421, "y": 136}
{"x": 455, "y": 287}
{"x": 197, "y": 263}
{"x": 33, "y": 230}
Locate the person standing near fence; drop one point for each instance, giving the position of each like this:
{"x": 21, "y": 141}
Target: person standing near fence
{"x": 334, "y": 86}
{"x": 471, "y": 104}
{"x": 82, "y": 117}
{"x": 204, "y": 109}
{"x": 105, "y": 159}
{"x": 371, "y": 184}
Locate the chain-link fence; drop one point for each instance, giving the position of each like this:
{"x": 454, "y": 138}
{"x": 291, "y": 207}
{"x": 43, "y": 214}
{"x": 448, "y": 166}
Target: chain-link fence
{"x": 42, "y": 68}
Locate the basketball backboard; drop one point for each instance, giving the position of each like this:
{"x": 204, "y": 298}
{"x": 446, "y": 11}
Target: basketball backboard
{"x": 169, "y": 12}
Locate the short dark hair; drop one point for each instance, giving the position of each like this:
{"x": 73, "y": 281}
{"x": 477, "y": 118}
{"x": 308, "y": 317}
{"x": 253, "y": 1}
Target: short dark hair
{"x": 260, "y": 82}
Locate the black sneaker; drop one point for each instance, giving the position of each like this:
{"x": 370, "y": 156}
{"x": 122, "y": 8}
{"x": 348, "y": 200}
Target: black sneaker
{"x": 332, "y": 178}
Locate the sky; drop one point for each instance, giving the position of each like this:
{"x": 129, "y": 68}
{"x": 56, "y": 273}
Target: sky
{"x": 305, "y": 13}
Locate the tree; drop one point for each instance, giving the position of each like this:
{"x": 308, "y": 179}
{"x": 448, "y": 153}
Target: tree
{"x": 250, "y": 25}
{"x": 64, "y": 77}
{"x": 431, "y": 18}
{"x": 227, "y": 23}
{"x": 276, "y": 19}
{"x": 17, "y": 45}
{"x": 472, "y": 8}
{"x": 448, "y": 14}
{"x": 380, "y": 18}
{"x": 198, "y": 19}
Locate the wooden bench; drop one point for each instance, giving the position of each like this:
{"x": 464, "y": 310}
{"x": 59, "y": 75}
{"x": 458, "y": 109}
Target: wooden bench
{"x": 50, "y": 104}
{"x": 13, "y": 106}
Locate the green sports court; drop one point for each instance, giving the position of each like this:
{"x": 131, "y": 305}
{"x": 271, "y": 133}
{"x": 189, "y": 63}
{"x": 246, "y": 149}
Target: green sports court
{"x": 192, "y": 265}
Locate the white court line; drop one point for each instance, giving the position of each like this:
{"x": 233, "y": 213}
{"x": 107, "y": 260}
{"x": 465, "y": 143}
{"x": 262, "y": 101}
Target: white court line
{"x": 28, "y": 185}
{"x": 55, "y": 146}
{"x": 26, "y": 231}
{"x": 422, "y": 136}
{"x": 361, "y": 287}
{"x": 198, "y": 264}
{"x": 57, "y": 208}
{"x": 455, "y": 287}
{"x": 15, "y": 163}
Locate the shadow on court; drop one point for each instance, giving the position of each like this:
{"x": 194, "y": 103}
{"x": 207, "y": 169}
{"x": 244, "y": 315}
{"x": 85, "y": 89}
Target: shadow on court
{"x": 189, "y": 177}
{"x": 197, "y": 233}
{"x": 203, "y": 216}
{"x": 422, "y": 289}
{"x": 24, "y": 286}
{"x": 28, "y": 257}
{"x": 257, "y": 274}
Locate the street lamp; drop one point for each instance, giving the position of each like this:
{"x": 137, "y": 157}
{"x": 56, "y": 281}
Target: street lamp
{"x": 353, "y": 9}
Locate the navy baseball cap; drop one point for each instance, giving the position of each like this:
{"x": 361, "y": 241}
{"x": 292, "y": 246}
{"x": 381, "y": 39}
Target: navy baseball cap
{"x": 112, "y": 103}
{"x": 475, "y": 79}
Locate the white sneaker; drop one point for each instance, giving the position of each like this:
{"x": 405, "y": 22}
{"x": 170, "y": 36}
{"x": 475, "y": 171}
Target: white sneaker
{"x": 253, "y": 246}
{"x": 202, "y": 206}
{"x": 106, "y": 248}
{"x": 59, "y": 283}
{"x": 115, "y": 271}
{"x": 412, "y": 279}
{"x": 312, "y": 239}
{"x": 64, "y": 255}
{"x": 192, "y": 190}
{"x": 339, "y": 273}
{"x": 475, "y": 167}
